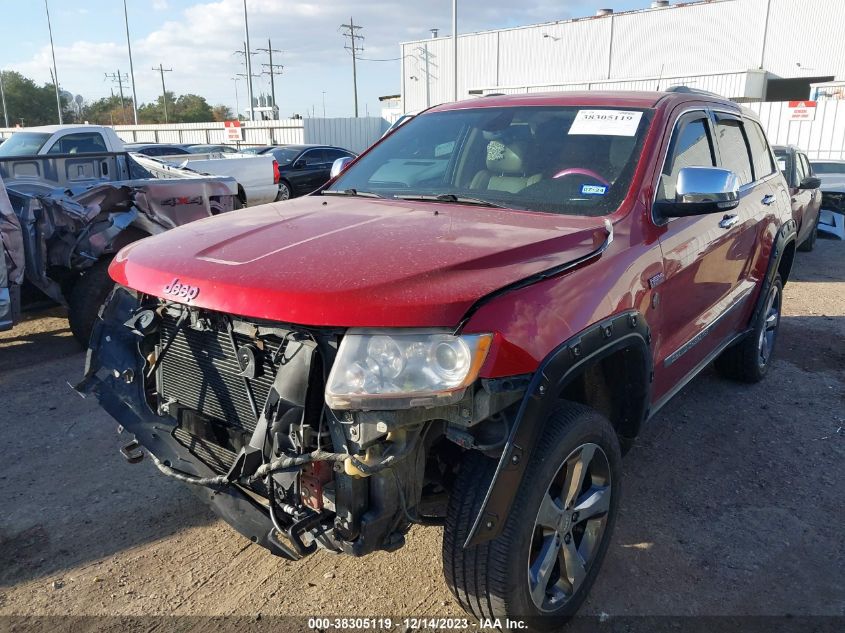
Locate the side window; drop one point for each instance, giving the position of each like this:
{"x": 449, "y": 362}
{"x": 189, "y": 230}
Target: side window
{"x": 808, "y": 169}
{"x": 801, "y": 171}
{"x": 333, "y": 154}
{"x": 83, "y": 143}
{"x": 691, "y": 146}
{"x": 760, "y": 152}
{"x": 733, "y": 149}
{"x": 314, "y": 157}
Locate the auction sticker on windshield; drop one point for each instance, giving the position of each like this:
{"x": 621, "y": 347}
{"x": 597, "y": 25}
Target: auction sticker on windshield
{"x": 606, "y": 122}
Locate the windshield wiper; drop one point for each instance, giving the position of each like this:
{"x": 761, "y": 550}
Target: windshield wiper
{"x": 450, "y": 197}
{"x": 350, "y": 192}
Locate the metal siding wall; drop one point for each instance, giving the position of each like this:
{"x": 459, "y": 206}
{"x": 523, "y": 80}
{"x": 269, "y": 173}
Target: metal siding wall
{"x": 688, "y": 40}
{"x": 573, "y": 51}
{"x": 350, "y": 133}
{"x": 809, "y": 32}
{"x": 824, "y": 137}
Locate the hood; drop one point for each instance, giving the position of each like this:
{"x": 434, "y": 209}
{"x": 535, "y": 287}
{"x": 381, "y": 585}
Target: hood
{"x": 352, "y": 262}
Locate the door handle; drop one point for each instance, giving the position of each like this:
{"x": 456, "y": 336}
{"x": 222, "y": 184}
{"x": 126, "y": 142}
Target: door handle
{"x": 728, "y": 221}
{"x": 768, "y": 199}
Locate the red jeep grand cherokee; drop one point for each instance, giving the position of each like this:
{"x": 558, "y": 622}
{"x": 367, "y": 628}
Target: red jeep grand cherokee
{"x": 467, "y": 327}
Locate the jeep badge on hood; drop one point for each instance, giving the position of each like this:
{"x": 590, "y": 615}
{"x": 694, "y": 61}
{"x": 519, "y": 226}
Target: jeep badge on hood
{"x": 180, "y": 290}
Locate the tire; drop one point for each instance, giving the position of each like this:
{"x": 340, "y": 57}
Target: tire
{"x": 87, "y": 295}
{"x": 810, "y": 243}
{"x": 493, "y": 579}
{"x": 285, "y": 191}
{"x": 749, "y": 360}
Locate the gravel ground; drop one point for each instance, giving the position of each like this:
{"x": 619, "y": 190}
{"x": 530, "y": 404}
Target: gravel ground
{"x": 733, "y": 500}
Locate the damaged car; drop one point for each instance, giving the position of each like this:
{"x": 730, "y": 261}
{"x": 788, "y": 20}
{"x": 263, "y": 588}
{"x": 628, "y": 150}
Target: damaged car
{"x": 472, "y": 344}
{"x": 68, "y": 215}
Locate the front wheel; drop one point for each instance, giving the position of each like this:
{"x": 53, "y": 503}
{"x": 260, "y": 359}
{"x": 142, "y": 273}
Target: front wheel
{"x": 85, "y": 298}
{"x": 542, "y": 565}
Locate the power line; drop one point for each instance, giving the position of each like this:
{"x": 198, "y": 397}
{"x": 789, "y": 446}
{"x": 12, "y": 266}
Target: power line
{"x": 119, "y": 78}
{"x": 161, "y": 69}
{"x": 350, "y": 32}
{"x": 272, "y": 72}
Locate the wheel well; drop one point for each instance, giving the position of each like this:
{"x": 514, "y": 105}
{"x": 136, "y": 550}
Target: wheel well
{"x": 616, "y": 386}
{"x": 785, "y": 263}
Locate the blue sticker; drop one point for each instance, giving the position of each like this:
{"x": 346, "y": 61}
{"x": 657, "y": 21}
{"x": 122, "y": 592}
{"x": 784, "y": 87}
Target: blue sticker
{"x": 593, "y": 190}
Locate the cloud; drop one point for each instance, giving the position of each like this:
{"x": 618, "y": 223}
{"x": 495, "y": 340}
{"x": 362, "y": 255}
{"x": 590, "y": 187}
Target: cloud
{"x": 198, "y": 42}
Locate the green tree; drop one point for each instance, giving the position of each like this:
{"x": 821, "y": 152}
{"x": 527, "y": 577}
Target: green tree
{"x": 28, "y": 103}
{"x": 222, "y": 113}
{"x": 108, "y": 111}
{"x": 193, "y": 109}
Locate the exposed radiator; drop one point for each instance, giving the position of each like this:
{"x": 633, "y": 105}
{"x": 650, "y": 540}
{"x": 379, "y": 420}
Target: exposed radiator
{"x": 200, "y": 371}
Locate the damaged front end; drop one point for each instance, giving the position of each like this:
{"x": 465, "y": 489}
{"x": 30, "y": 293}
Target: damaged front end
{"x": 236, "y": 409}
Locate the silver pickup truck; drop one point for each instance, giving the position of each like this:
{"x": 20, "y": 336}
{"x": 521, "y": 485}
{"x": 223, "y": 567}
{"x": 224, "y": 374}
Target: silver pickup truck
{"x": 64, "y": 216}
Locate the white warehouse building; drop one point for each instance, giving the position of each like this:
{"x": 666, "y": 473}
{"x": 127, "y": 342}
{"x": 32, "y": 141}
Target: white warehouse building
{"x": 747, "y": 50}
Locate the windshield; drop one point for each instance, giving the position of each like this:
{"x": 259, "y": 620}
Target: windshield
{"x": 570, "y": 160}
{"x": 23, "y": 144}
{"x": 818, "y": 168}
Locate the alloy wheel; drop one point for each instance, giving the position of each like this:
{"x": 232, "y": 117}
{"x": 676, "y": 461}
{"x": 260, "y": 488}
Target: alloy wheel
{"x": 569, "y": 527}
{"x": 766, "y": 342}
{"x": 284, "y": 192}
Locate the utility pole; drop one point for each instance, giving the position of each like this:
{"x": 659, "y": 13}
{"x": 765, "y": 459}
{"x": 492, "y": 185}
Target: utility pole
{"x": 119, "y": 79}
{"x": 248, "y": 66}
{"x": 426, "y": 55}
{"x": 131, "y": 68}
{"x": 161, "y": 69}
{"x": 54, "y": 73}
{"x": 353, "y": 46}
{"x": 3, "y": 97}
{"x": 247, "y": 75}
{"x": 272, "y": 72}
{"x": 455, "y": 48}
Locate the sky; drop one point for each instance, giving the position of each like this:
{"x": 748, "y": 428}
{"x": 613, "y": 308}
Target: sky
{"x": 197, "y": 40}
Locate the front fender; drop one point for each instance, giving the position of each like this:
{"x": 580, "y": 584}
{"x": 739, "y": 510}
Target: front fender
{"x": 556, "y": 371}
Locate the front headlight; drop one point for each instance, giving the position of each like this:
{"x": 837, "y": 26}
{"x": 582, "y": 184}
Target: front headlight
{"x": 400, "y": 370}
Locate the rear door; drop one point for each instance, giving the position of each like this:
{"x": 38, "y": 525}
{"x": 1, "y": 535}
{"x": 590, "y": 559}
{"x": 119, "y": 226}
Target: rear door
{"x": 705, "y": 257}
{"x": 812, "y": 203}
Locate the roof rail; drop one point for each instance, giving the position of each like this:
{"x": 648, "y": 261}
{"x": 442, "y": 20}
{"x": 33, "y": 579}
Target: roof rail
{"x": 688, "y": 90}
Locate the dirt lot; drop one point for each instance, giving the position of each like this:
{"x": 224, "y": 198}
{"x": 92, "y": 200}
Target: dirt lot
{"x": 733, "y": 500}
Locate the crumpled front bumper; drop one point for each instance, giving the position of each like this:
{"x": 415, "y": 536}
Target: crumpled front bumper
{"x": 114, "y": 375}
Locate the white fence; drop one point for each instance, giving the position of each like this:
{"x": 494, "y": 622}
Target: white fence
{"x": 823, "y": 137}
{"x": 355, "y": 134}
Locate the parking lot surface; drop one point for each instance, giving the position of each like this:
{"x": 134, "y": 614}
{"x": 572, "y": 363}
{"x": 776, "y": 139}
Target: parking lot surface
{"x": 732, "y": 500}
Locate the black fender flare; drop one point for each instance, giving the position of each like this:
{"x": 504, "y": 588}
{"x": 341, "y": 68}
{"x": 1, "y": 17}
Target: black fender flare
{"x": 556, "y": 371}
{"x": 786, "y": 235}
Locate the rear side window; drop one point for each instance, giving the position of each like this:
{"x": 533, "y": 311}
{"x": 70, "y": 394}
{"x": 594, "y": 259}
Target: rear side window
{"x": 733, "y": 149}
{"x": 760, "y": 153}
{"x": 691, "y": 147}
{"x": 314, "y": 157}
{"x": 84, "y": 143}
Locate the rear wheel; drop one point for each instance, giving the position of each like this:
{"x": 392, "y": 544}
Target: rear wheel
{"x": 85, "y": 298}
{"x": 749, "y": 360}
{"x": 548, "y": 554}
{"x": 285, "y": 192}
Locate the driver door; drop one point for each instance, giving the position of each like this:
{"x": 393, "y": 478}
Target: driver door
{"x": 703, "y": 257}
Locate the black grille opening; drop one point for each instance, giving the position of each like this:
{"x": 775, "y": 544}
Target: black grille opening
{"x": 200, "y": 371}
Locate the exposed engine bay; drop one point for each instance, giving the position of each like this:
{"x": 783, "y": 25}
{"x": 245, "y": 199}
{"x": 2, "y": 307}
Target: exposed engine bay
{"x": 236, "y": 409}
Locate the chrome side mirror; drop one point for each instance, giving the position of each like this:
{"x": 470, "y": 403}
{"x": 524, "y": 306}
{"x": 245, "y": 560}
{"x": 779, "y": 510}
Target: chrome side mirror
{"x": 339, "y": 165}
{"x": 701, "y": 190}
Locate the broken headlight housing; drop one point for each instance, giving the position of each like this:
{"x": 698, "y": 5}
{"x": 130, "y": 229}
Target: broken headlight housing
{"x": 404, "y": 369}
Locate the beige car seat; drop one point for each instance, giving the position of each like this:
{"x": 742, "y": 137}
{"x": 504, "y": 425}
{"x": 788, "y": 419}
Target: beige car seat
{"x": 506, "y": 168}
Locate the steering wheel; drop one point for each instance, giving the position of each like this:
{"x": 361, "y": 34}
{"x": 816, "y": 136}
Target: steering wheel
{"x": 581, "y": 171}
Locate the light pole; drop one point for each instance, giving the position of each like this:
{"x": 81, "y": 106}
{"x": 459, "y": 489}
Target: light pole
{"x": 237, "y": 99}
{"x": 455, "y": 47}
{"x": 324, "y": 104}
{"x": 3, "y": 97}
{"x": 55, "y": 72}
{"x": 248, "y": 66}
{"x": 131, "y": 68}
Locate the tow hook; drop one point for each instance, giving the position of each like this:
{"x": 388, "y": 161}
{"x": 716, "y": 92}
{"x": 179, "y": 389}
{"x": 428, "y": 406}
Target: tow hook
{"x": 295, "y": 531}
{"x": 132, "y": 452}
